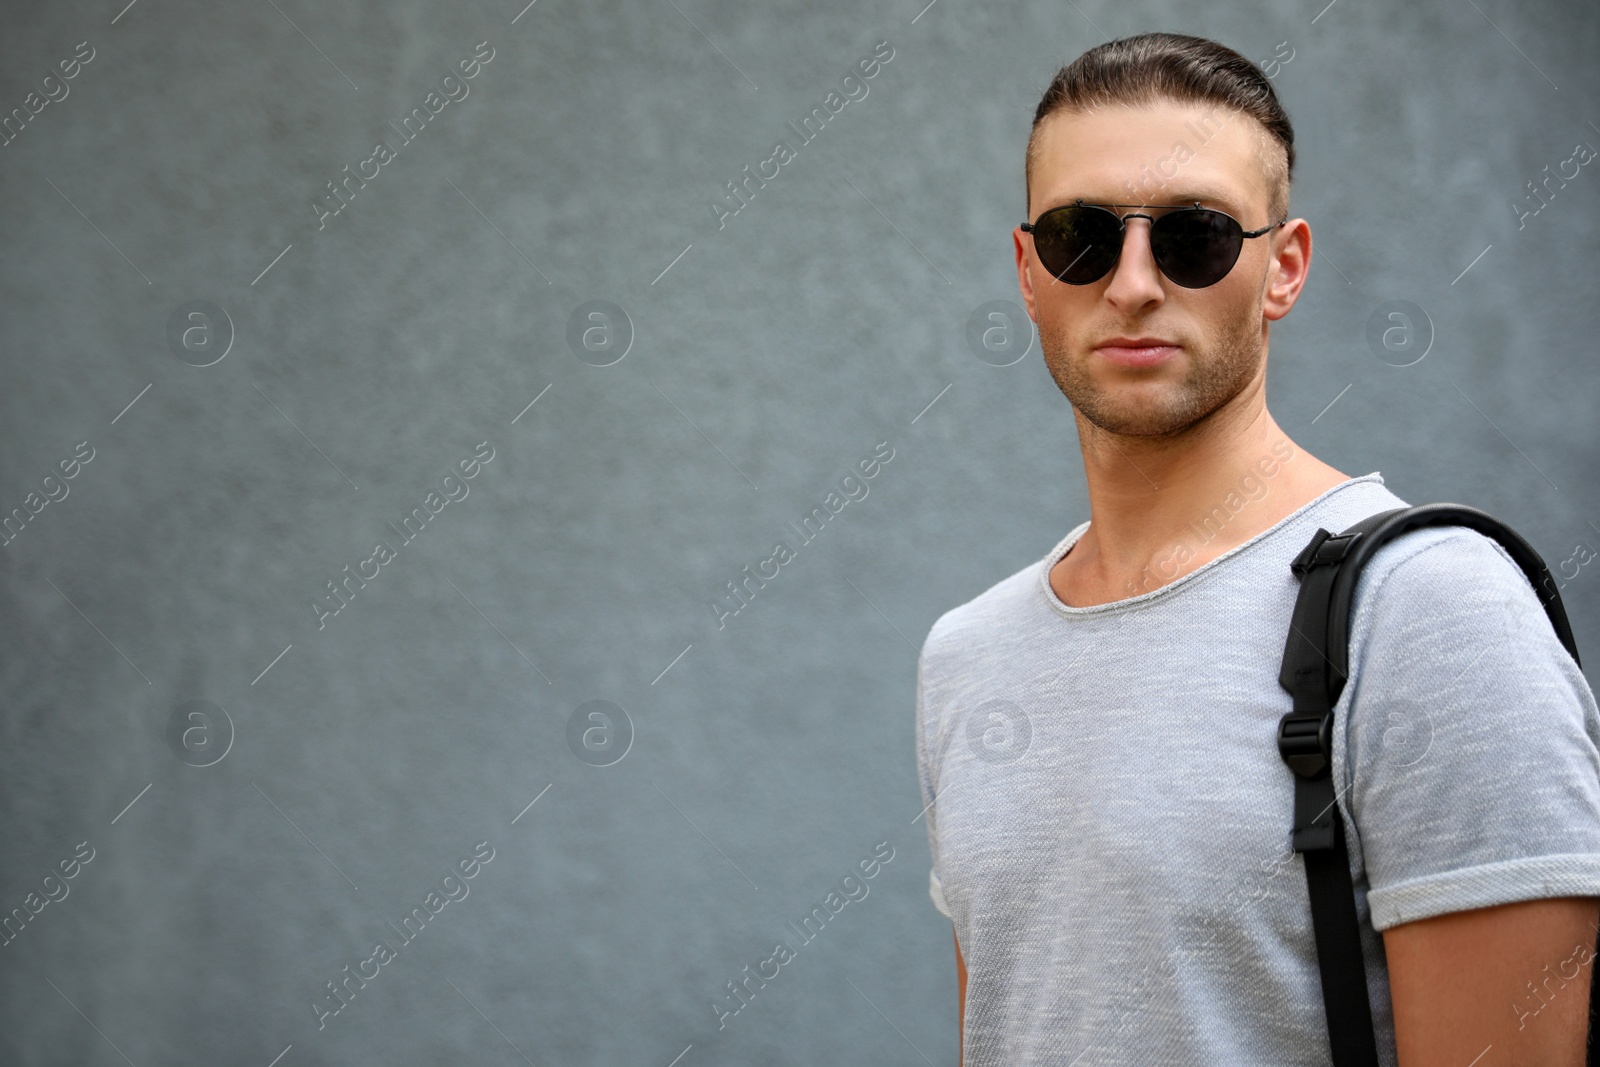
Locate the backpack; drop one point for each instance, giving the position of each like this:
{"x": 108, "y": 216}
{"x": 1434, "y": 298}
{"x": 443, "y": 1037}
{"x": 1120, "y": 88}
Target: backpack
{"x": 1315, "y": 668}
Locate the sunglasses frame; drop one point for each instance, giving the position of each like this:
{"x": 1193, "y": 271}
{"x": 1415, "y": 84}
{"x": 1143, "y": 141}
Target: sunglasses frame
{"x": 1122, "y": 229}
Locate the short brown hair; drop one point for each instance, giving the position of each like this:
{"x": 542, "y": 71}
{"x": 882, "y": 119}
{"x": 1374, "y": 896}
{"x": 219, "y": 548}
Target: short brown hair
{"x": 1150, "y": 67}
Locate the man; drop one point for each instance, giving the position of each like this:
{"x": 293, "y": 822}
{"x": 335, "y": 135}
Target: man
{"x": 1108, "y": 814}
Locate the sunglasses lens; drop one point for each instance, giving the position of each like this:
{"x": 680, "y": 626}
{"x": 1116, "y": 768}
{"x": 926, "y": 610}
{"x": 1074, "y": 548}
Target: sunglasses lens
{"x": 1196, "y": 248}
{"x": 1078, "y": 244}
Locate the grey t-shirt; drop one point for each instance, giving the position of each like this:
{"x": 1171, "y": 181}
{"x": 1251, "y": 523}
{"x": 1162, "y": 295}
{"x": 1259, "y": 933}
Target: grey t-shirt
{"x": 1109, "y": 818}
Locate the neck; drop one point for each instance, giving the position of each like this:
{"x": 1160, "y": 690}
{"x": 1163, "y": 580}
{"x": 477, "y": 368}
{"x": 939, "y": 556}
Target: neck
{"x": 1162, "y": 507}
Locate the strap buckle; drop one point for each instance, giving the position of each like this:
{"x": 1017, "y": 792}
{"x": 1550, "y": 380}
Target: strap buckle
{"x": 1305, "y": 741}
{"x": 1324, "y": 549}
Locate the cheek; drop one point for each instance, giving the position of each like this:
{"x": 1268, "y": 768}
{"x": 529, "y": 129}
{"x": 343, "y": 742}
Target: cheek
{"x": 1053, "y": 334}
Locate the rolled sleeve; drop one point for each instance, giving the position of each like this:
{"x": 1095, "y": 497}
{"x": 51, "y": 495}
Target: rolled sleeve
{"x": 926, "y": 778}
{"x": 936, "y": 893}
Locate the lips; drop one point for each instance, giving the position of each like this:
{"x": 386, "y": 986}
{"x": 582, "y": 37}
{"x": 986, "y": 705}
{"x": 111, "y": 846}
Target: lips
{"x": 1137, "y": 351}
{"x": 1137, "y": 342}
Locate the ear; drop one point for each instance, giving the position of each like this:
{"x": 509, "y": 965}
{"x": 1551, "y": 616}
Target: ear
{"x": 1290, "y": 262}
{"x": 1024, "y": 249}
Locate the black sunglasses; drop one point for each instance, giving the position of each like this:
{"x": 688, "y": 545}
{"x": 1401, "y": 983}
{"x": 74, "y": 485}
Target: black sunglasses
{"x": 1193, "y": 246}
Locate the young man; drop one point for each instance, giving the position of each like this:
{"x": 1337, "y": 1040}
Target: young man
{"x": 1108, "y": 814}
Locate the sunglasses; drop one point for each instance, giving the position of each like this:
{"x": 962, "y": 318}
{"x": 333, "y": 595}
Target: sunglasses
{"x": 1193, "y": 246}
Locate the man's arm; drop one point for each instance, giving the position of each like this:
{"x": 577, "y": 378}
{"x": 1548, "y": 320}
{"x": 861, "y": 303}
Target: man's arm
{"x": 1513, "y": 977}
{"x": 961, "y": 984}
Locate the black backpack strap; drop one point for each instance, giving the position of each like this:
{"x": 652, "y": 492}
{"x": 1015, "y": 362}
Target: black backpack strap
{"x": 1305, "y": 741}
{"x": 1315, "y": 668}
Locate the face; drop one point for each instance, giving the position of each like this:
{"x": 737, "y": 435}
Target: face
{"x": 1163, "y": 154}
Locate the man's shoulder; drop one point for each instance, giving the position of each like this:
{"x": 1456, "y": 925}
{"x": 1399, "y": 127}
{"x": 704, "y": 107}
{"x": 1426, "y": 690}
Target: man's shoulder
{"x": 1003, "y": 606}
{"x": 1426, "y": 574}
{"x": 1465, "y": 549}
{"x": 1434, "y": 571}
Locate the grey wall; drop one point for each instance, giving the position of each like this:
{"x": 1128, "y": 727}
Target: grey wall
{"x": 336, "y": 772}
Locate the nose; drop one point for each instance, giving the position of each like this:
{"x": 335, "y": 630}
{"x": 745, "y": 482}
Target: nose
{"x": 1135, "y": 279}
{"x": 1136, "y": 238}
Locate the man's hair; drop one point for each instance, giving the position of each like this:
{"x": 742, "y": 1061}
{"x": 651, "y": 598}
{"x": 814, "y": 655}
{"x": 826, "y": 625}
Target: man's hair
{"x": 1155, "y": 67}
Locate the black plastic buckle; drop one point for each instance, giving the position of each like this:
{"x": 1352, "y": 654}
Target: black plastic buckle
{"x": 1305, "y": 741}
{"x": 1323, "y": 549}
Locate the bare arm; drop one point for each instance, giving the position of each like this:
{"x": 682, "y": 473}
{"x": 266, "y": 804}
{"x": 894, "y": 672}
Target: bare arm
{"x": 1514, "y": 977}
{"x": 961, "y": 985}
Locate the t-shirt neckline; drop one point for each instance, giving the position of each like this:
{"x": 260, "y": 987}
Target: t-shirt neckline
{"x": 1048, "y": 563}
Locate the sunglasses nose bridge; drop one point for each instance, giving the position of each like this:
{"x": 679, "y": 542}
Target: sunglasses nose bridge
{"x": 1124, "y": 232}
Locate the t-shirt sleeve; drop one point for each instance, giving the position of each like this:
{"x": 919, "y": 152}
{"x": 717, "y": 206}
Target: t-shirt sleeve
{"x": 936, "y": 892}
{"x": 926, "y": 779}
{"x": 1472, "y": 739}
